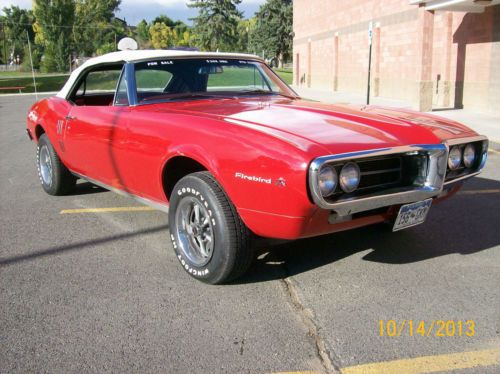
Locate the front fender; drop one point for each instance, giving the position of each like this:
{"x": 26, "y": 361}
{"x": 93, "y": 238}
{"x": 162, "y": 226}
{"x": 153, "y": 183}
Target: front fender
{"x": 257, "y": 171}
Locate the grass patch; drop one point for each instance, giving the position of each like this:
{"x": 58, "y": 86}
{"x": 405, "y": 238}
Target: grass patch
{"x": 236, "y": 77}
{"x": 285, "y": 74}
{"x": 44, "y": 82}
{"x": 54, "y": 82}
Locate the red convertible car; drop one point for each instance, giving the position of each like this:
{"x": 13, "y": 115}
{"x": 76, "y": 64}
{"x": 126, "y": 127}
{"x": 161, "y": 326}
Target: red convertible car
{"x": 232, "y": 153}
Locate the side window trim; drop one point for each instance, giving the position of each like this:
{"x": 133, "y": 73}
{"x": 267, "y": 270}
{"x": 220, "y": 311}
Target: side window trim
{"x": 82, "y": 80}
{"x": 83, "y": 76}
{"x": 123, "y": 75}
{"x": 264, "y": 78}
{"x": 131, "y": 84}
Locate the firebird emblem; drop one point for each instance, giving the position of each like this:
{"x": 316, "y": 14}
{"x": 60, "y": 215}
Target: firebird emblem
{"x": 280, "y": 182}
{"x": 252, "y": 178}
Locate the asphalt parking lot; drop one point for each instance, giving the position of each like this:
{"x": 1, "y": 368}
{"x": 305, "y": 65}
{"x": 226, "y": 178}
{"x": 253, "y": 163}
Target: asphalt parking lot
{"x": 89, "y": 290}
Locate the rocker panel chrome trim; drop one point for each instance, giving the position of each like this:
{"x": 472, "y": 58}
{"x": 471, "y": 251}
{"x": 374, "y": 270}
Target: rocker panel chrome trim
{"x": 142, "y": 200}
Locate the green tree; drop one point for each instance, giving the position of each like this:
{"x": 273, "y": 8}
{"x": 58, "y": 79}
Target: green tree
{"x": 245, "y": 29}
{"x": 95, "y": 25}
{"x": 215, "y": 26}
{"x": 142, "y": 30}
{"x": 141, "y": 35}
{"x": 16, "y": 22}
{"x": 167, "y": 21}
{"x": 54, "y": 22}
{"x": 182, "y": 39}
{"x": 273, "y": 31}
{"x": 105, "y": 48}
{"x": 161, "y": 36}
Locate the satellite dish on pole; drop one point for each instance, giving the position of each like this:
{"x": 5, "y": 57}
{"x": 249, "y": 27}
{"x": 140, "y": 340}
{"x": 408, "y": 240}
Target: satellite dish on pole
{"x": 127, "y": 44}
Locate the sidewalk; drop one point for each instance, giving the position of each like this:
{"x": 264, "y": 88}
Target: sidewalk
{"x": 484, "y": 124}
{"x": 347, "y": 97}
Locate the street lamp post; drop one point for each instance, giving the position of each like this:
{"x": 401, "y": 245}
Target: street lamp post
{"x": 370, "y": 37}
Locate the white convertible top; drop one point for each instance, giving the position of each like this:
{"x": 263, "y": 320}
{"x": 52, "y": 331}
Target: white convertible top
{"x": 139, "y": 55}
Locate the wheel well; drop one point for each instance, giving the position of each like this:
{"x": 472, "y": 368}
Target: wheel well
{"x": 177, "y": 168}
{"x": 39, "y": 131}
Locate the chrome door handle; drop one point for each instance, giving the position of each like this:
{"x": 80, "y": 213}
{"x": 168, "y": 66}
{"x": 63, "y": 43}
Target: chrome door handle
{"x": 69, "y": 118}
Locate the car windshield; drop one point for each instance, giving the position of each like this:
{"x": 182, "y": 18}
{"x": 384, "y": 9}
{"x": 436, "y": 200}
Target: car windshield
{"x": 189, "y": 79}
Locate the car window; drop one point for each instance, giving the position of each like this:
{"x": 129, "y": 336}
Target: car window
{"x": 192, "y": 79}
{"x": 101, "y": 81}
{"x": 152, "y": 80}
{"x": 97, "y": 87}
{"x": 237, "y": 77}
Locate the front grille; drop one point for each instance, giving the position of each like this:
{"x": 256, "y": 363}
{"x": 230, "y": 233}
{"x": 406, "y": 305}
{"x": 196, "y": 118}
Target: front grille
{"x": 384, "y": 172}
{"x": 390, "y": 177}
{"x": 380, "y": 172}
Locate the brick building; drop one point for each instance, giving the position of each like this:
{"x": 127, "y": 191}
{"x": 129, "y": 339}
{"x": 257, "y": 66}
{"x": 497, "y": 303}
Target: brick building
{"x": 432, "y": 54}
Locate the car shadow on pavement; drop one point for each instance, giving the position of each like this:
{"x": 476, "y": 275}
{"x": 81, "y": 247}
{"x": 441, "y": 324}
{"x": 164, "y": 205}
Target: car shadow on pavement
{"x": 465, "y": 224}
{"x": 78, "y": 245}
{"x": 85, "y": 188}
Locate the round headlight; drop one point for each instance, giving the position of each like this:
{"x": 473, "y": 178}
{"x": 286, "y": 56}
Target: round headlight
{"x": 469, "y": 156}
{"x": 349, "y": 177}
{"x": 454, "y": 158}
{"x": 327, "y": 180}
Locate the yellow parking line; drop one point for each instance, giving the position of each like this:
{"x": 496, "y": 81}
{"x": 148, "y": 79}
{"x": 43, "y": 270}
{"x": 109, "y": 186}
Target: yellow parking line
{"x": 430, "y": 364}
{"x": 107, "y": 210}
{"x": 473, "y": 192}
{"x": 493, "y": 151}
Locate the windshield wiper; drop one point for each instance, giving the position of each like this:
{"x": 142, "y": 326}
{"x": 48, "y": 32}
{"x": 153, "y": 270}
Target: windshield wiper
{"x": 184, "y": 95}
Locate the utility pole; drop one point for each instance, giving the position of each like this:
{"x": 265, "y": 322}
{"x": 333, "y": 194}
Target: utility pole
{"x": 370, "y": 37}
{"x": 31, "y": 61}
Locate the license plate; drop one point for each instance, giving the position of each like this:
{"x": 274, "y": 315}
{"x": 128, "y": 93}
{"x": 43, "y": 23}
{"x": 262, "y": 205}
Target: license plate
{"x": 412, "y": 214}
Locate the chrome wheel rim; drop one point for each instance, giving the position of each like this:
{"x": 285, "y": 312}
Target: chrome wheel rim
{"x": 194, "y": 231}
{"x": 45, "y": 165}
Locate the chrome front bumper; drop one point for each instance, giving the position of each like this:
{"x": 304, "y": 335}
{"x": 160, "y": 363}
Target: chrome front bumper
{"x": 428, "y": 186}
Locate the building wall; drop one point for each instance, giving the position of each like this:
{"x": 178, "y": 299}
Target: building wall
{"x": 431, "y": 59}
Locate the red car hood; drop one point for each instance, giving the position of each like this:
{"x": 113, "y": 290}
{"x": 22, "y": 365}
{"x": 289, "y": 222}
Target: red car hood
{"x": 338, "y": 128}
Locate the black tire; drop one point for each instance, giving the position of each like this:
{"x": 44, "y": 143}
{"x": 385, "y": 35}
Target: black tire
{"x": 59, "y": 180}
{"x": 231, "y": 251}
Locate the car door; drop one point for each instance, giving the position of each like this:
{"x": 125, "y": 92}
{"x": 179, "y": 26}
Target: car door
{"x": 96, "y": 128}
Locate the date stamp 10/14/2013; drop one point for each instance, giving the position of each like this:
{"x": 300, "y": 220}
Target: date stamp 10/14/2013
{"x": 433, "y": 328}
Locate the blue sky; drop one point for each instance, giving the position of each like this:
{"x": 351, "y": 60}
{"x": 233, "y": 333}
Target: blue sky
{"x": 135, "y": 10}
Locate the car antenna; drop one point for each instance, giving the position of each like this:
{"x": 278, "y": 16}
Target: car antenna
{"x": 31, "y": 61}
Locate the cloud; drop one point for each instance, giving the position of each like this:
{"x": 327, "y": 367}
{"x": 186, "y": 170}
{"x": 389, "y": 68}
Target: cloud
{"x": 176, "y": 3}
{"x": 179, "y": 4}
{"x": 135, "y": 10}
{"x": 25, "y": 4}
